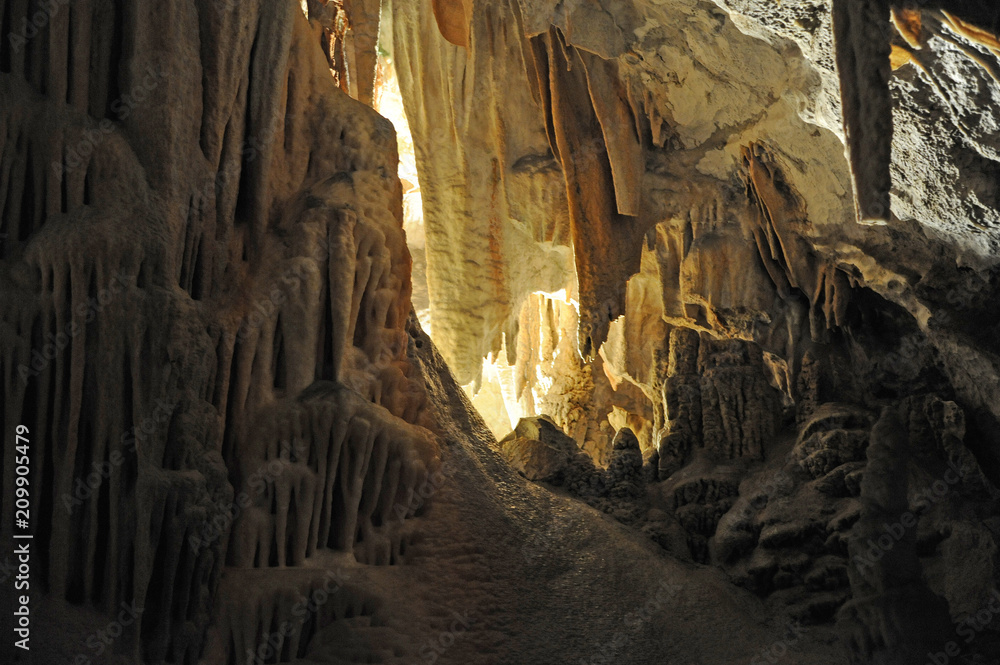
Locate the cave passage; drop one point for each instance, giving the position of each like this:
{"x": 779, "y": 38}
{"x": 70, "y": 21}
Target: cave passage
{"x": 500, "y": 332}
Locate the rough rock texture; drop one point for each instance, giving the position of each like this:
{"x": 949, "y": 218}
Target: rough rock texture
{"x": 539, "y": 450}
{"x": 206, "y": 291}
{"x": 649, "y": 211}
{"x": 705, "y": 117}
{"x": 487, "y": 195}
{"x": 716, "y": 398}
{"x": 236, "y": 431}
{"x": 810, "y": 241}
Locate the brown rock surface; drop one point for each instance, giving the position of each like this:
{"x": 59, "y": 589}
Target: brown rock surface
{"x": 640, "y": 218}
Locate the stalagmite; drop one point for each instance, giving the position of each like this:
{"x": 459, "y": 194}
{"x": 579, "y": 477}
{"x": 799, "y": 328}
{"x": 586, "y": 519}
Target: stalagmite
{"x": 710, "y": 396}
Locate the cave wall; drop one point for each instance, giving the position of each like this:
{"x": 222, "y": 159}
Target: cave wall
{"x": 206, "y": 289}
{"x": 735, "y": 113}
{"x": 779, "y": 217}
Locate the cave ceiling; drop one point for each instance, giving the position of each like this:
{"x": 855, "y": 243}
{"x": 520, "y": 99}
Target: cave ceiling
{"x": 500, "y": 331}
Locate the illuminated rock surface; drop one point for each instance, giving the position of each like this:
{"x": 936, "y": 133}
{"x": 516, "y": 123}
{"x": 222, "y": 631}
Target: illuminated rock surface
{"x": 726, "y": 272}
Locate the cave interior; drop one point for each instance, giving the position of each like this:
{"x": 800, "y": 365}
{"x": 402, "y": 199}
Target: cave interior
{"x": 481, "y": 332}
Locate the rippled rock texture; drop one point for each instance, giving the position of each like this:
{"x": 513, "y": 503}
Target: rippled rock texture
{"x": 740, "y": 260}
{"x": 206, "y": 289}
{"x": 783, "y": 227}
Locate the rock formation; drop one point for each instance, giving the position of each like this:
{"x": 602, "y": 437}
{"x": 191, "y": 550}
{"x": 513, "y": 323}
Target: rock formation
{"x": 205, "y": 321}
{"x": 806, "y": 245}
{"x": 725, "y": 271}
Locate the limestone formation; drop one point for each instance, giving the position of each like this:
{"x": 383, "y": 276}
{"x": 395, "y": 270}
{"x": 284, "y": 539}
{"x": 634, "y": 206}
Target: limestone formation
{"x": 721, "y": 276}
{"x": 539, "y": 450}
{"x": 760, "y": 328}
{"x": 210, "y": 234}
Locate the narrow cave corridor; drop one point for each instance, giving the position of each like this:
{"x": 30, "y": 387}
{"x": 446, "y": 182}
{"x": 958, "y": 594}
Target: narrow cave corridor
{"x": 489, "y": 332}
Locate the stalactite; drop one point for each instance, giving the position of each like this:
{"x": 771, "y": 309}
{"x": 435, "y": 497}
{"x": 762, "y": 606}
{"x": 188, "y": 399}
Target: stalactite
{"x": 786, "y": 256}
{"x": 598, "y": 150}
{"x": 364, "y": 18}
{"x": 862, "y": 48}
{"x": 187, "y": 309}
{"x": 262, "y": 620}
{"x": 326, "y": 470}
